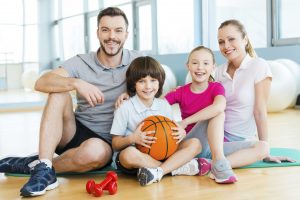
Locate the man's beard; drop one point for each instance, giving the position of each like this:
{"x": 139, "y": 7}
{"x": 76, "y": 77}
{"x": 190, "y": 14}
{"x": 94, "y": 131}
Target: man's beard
{"x": 111, "y": 54}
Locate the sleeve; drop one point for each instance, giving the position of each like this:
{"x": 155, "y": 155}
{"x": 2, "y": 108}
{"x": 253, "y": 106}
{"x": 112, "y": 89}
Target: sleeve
{"x": 71, "y": 65}
{"x": 168, "y": 112}
{"x": 263, "y": 70}
{"x": 120, "y": 121}
{"x": 218, "y": 89}
{"x": 173, "y": 97}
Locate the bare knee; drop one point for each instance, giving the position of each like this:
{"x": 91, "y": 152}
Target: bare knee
{"x": 93, "y": 153}
{"x": 193, "y": 144}
{"x": 262, "y": 149}
{"x": 129, "y": 156}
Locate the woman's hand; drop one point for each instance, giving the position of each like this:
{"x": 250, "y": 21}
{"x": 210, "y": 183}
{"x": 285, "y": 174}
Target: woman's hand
{"x": 143, "y": 138}
{"x": 124, "y": 96}
{"x": 278, "y": 159}
{"x": 178, "y": 133}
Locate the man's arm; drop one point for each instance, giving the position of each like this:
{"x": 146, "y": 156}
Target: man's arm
{"x": 58, "y": 80}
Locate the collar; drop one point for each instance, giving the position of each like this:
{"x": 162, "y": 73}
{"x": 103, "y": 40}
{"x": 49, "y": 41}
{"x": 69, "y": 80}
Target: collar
{"x": 124, "y": 61}
{"x": 140, "y": 107}
{"x": 243, "y": 65}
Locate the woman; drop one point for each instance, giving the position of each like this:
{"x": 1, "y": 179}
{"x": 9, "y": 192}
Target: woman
{"x": 246, "y": 79}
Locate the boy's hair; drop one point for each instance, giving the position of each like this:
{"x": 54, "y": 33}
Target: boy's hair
{"x": 242, "y": 30}
{"x": 142, "y": 67}
{"x": 112, "y": 12}
{"x": 198, "y": 48}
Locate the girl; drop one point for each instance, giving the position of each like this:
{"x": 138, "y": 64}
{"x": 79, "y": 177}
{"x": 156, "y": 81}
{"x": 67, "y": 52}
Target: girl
{"x": 202, "y": 105}
{"x": 145, "y": 78}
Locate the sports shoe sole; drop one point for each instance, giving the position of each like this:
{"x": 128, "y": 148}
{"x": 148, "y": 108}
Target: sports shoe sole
{"x": 231, "y": 179}
{"x": 32, "y": 194}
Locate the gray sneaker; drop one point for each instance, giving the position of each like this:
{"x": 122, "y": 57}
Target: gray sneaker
{"x": 222, "y": 172}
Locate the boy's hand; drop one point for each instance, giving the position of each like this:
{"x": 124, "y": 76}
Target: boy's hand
{"x": 143, "y": 138}
{"x": 178, "y": 133}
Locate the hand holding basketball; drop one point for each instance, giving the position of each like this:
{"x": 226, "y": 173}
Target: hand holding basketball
{"x": 178, "y": 133}
{"x": 143, "y": 138}
{"x": 165, "y": 144}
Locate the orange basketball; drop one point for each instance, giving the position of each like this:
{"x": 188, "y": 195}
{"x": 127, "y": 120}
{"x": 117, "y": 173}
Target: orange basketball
{"x": 165, "y": 145}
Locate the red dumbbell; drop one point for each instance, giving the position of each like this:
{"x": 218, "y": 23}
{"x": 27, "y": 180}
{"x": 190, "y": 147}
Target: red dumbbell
{"x": 109, "y": 183}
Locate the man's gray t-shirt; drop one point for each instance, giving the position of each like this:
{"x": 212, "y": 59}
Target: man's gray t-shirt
{"x": 112, "y": 83}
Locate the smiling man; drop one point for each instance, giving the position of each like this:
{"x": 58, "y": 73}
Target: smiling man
{"x": 80, "y": 138}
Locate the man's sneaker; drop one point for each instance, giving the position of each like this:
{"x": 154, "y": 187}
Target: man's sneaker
{"x": 204, "y": 166}
{"x": 147, "y": 176}
{"x": 17, "y": 164}
{"x": 42, "y": 179}
{"x": 190, "y": 169}
{"x": 222, "y": 172}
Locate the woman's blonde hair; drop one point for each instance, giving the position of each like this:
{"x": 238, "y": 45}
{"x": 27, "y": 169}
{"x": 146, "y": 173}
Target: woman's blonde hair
{"x": 249, "y": 49}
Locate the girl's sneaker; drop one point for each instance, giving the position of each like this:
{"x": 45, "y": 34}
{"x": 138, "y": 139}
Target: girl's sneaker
{"x": 222, "y": 172}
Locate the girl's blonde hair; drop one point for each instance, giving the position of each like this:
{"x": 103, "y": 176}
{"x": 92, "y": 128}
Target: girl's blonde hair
{"x": 249, "y": 49}
{"x": 198, "y": 48}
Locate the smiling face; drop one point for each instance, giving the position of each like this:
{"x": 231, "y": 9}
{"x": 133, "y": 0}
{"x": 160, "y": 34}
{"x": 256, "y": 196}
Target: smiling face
{"x": 201, "y": 65}
{"x": 232, "y": 44}
{"x": 146, "y": 88}
{"x": 112, "y": 34}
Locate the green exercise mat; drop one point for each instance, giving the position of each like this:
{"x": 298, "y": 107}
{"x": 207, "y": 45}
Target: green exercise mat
{"x": 292, "y": 153}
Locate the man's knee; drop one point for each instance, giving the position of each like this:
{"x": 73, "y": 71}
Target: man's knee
{"x": 59, "y": 98}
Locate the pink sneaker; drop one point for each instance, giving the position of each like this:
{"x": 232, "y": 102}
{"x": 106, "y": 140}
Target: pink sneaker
{"x": 204, "y": 166}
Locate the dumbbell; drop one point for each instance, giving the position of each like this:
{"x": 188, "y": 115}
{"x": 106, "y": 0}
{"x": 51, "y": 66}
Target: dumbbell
{"x": 109, "y": 183}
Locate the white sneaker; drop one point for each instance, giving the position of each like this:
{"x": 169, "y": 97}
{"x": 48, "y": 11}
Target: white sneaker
{"x": 190, "y": 169}
{"x": 147, "y": 176}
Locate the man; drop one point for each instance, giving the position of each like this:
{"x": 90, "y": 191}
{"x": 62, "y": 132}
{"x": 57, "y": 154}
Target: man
{"x": 81, "y": 140}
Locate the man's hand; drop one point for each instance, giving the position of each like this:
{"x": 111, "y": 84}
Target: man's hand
{"x": 124, "y": 96}
{"x": 278, "y": 159}
{"x": 90, "y": 92}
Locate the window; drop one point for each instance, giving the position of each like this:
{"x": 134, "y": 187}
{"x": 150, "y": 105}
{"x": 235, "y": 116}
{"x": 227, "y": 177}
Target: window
{"x": 175, "y": 25}
{"x": 251, "y": 13}
{"x": 73, "y": 36}
{"x": 71, "y": 7}
{"x": 145, "y": 27}
{"x": 289, "y": 12}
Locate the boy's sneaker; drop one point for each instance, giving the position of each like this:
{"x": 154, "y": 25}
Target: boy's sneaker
{"x": 222, "y": 172}
{"x": 147, "y": 176}
{"x": 42, "y": 179}
{"x": 17, "y": 164}
{"x": 204, "y": 166}
{"x": 190, "y": 169}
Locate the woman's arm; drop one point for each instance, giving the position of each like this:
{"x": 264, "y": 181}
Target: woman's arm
{"x": 262, "y": 90}
{"x": 217, "y": 107}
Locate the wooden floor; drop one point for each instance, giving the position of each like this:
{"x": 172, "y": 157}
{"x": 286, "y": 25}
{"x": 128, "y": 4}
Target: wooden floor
{"x": 19, "y": 136}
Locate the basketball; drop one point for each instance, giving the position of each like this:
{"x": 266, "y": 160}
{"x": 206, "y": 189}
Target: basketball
{"x": 165, "y": 145}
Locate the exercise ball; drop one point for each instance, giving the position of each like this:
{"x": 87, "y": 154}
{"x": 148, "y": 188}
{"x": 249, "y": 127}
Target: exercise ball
{"x": 170, "y": 82}
{"x": 283, "y": 87}
{"x": 28, "y": 79}
{"x": 295, "y": 70}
